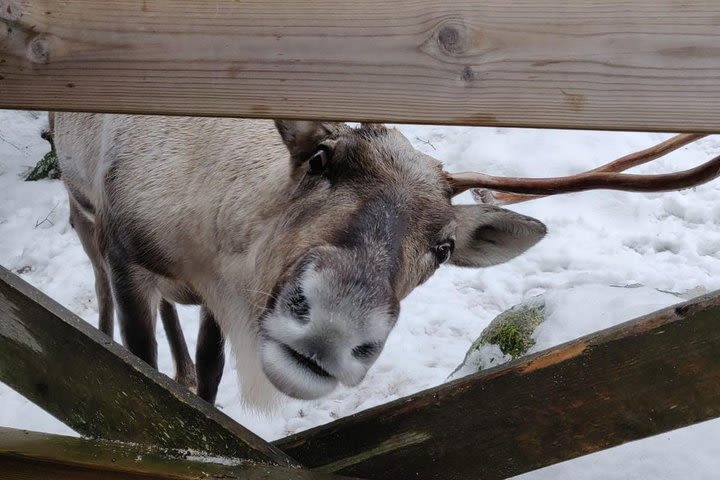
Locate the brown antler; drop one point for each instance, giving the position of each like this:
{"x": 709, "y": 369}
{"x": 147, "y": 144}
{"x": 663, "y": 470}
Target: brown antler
{"x": 604, "y": 177}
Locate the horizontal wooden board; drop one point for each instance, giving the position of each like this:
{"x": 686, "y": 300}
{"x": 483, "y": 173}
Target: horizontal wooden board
{"x": 95, "y": 386}
{"x": 623, "y": 65}
{"x": 641, "y": 378}
{"x": 32, "y": 455}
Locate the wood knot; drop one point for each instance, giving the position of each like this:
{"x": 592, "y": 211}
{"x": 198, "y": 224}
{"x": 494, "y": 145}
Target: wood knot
{"x": 452, "y": 39}
{"x": 38, "y": 50}
{"x": 10, "y": 10}
{"x": 467, "y": 75}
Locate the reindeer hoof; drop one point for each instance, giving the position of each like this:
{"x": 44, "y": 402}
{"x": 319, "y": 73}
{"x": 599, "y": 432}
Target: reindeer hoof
{"x": 188, "y": 381}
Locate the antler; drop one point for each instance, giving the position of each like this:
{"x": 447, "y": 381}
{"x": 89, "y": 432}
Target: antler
{"x": 604, "y": 177}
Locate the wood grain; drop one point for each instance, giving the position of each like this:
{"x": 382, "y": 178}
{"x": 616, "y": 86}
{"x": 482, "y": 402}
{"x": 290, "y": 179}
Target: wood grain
{"x": 601, "y": 64}
{"x": 32, "y": 455}
{"x": 641, "y": 378}
{"x": 99, "y": 389}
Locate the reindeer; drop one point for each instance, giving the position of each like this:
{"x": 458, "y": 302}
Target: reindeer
{"x": 298, "y": 239}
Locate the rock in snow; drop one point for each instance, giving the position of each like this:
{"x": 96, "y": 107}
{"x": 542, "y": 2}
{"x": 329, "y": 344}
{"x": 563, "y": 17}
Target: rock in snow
{"x": 509, "y": 336}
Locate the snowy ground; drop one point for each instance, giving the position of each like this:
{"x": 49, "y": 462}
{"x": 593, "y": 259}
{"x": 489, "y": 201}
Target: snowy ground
{"x": 666, "y": 241}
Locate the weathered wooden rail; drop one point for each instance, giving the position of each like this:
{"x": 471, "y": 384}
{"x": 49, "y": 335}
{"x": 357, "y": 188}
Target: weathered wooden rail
{"x": 622, "y": 65}
{"x": 629, "y": 65}
{"x": 99, "y": 389}
{"x": 635, "y": 380}
{"x": 31, "y": 455}
{"x": 631, "y": 381}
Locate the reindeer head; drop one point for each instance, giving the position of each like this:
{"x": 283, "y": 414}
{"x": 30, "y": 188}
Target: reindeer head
{"x": 369, "y": 219}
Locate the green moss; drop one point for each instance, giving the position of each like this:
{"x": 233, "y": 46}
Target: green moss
{"x": 512, "y": 330}
{"x": 512, "y": 340}
{"x": 47, "y": 167}
{"x": 508, "y": 336}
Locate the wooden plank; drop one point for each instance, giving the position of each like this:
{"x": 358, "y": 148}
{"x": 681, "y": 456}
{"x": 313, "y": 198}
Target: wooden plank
{"x": 628, "y": 65}
{"x": 32, "y": 455}
{"x": 95, "y": 386}
{"x": 641, "y": 378}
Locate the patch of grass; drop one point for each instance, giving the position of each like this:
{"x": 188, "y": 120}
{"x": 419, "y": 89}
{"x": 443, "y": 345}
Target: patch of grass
{"x": 47, "y": 167}
{"x": 512, "y": 340}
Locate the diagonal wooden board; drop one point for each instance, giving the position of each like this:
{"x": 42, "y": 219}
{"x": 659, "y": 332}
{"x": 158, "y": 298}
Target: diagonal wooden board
{"x": 623, "y": 65}
{"x": 95, "y": 386}
{"x": 644, "y": 377}
{"x": 30, "y": 455}
{"x": 650, "y": 375}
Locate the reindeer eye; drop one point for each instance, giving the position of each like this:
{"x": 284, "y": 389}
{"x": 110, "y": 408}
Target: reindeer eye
{"x": 318, "y": 162}
{"x": 366, "y": 350}
{"x": 443, "y": 250}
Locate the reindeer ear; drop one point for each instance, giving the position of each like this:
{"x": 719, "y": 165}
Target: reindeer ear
{"x": 488, "y": 235}
{"x": 373, "y": 126}
{"x": 302, "y": 137}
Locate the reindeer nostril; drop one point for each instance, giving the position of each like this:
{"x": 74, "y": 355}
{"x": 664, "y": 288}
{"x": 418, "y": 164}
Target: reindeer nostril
{"x": 366, "y": 350}
{"x": 298, "y": 306}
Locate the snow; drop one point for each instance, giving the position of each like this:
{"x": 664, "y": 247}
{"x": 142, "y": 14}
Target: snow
{"x": 579, "y": 310}
{"x": 666, "y": 242}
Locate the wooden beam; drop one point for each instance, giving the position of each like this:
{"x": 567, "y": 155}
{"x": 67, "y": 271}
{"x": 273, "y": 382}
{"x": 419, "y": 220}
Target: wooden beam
{"x": 623, "y": 65}
{"x": 95, "y": 386}
{"x": 29, "y": 455}
{"x": 638, "y": 379}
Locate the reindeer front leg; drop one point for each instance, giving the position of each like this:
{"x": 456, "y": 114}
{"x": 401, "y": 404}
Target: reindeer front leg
{"x": 136, "y": 304}
{"x": 209, "y": 356}
{"x": 184, "y": 368}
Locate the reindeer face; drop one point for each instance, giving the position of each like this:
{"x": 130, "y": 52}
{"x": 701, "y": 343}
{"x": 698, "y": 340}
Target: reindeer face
{"x": 370, "y": 218}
